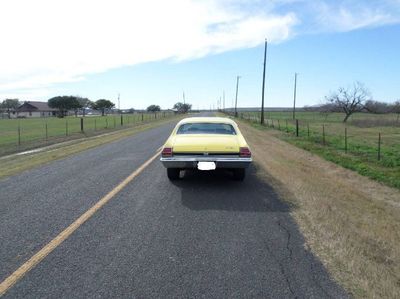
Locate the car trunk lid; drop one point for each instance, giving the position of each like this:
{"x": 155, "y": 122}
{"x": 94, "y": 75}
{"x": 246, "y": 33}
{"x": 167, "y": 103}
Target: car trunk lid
{"x": 205, "y": 143}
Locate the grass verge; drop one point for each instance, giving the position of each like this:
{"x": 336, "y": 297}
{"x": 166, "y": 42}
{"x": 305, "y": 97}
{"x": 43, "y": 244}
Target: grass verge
{"x": 18, "y": 135}
{"x": 349, "y": 221}
{"x": 15, "y": 164}
{"x": 360, "y": 157}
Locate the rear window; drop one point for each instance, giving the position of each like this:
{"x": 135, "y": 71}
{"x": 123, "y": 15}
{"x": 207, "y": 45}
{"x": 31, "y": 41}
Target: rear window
{"x": 206, "y": 128}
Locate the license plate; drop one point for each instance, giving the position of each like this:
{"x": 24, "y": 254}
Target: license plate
{"x": 206, "y": 165}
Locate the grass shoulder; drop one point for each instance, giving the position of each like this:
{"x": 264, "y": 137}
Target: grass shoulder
{"x": 15, "y": 164}
{"x": 361, "y": 159}
{"x": 351, "y": 223}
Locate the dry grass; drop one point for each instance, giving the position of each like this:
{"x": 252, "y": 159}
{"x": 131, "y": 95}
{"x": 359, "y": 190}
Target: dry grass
{"x": 349, "y": 221}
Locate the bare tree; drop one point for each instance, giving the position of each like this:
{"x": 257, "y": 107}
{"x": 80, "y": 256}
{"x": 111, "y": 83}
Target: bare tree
{"x": 350, "y": 100}
{"x": 326, "y": 109}
{"x": 377, "y": 107}
{"x": 396, "y": 109}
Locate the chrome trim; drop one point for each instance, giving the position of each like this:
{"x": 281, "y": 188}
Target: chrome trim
{"x": 191, "y": 161}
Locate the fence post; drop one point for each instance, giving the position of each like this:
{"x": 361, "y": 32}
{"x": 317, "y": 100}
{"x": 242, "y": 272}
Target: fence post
{"x": 19, "y": 133}
{"x": 142, "y": 117}
{"x": 122, "y": 120}
{"x": 345, "y": 140}
{"x": 297, "y": 127}
{"x": 279, "y": 125}
{"x": 82, "y": 124}
{"x": 323, "y": 134}
{"x": 287, "y": 128}
{"x": 272, "y": 123}
{"x": 45, "y": 125}
{"x": 114, "y": 122}
{"x": 379, "y": 146}
{"x": 308, "y": 130}
{"x": 66, "y": 127}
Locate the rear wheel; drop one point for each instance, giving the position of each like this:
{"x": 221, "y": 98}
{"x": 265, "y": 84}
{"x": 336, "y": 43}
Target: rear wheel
{"x": 239, "y": 174}
{"x": 173, "y": 173}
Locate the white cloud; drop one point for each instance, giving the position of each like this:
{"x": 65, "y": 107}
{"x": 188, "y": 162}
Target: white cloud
{"x": 46, "y": 41}
{"x": 344, "y": 15}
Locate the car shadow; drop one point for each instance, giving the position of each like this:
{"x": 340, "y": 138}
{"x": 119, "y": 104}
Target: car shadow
{"x": 217, "y": 190}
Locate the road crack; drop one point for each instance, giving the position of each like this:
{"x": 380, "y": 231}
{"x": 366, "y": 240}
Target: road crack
{"x": 309, "y": 258}
{"x": 288, "y": 238}
{"x": 283, "y": 271}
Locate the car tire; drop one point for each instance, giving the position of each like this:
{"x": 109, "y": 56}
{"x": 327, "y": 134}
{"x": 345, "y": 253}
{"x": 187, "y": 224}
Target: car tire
{"x": 239, "y": 174}
{"x": 173, "y": 173}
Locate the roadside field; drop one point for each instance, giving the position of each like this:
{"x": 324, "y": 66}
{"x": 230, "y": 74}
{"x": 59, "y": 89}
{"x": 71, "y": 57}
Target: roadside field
{"x": 14, "y": 164}
{"x": 368, "y": 143}
{"x": 22, "y": 134}
{"x": 349, "y": 221}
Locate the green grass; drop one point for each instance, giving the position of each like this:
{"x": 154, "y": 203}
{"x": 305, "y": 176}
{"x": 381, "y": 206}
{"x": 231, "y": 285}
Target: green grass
{"x": 11, "y": 165}
{"x": 362, "y": 140}
{"x": 33, "y": 130}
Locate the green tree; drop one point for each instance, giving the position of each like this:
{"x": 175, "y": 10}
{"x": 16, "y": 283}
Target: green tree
{"x": 64, "y": 103}
{"x": 85, "y": 103}
{"x": 153, "y": 108}
{"x": 182, "y": 107}
{"x": 10, "y": 105}
{"x": 103, "y": 105}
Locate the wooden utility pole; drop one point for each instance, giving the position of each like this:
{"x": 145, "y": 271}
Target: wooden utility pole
{"x": 119, "y": 104}
{"x": 237, "y": 89}
{"x": 224, "y": 99}
{"x": 263, "y": 83}
{"x": 294, "y": 95}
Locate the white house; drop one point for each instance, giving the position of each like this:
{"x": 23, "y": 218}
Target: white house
{"x": 35, "y": 109}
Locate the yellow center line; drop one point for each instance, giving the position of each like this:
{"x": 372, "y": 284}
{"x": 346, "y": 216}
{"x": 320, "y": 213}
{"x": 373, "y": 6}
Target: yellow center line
{"x": 53, "y": 244}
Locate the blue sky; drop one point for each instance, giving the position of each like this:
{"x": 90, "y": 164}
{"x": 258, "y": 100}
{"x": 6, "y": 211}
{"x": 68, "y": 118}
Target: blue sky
{"x": 150, "y": 56}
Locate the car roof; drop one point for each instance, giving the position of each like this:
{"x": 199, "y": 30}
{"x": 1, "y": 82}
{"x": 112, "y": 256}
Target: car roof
{"x": 223, "y": 120}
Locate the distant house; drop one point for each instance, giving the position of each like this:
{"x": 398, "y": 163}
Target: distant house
{"x": 35, "y": 109}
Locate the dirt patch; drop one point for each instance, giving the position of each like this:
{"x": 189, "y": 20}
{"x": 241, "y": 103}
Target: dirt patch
{"x": 349, "y": 221}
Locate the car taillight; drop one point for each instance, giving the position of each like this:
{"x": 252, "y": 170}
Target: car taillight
{"x": 166, "y": 152}
{"x": 244, "y": 152}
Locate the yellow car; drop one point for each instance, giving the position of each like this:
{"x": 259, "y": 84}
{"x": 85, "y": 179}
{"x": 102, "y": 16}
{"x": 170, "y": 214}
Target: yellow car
{"x": 206, "y": 143}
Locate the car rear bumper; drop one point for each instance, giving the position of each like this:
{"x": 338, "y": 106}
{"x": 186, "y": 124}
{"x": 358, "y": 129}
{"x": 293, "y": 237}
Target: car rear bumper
{"x": 191, "y": 161}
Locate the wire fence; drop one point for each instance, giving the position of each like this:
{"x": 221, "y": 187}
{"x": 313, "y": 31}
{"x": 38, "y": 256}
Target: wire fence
{"x": 377, "y": 144}
{"x": 23, "y": 134}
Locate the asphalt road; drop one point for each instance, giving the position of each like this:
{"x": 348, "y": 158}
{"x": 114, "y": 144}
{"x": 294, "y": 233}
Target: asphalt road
{"x": 203, "y": 236}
